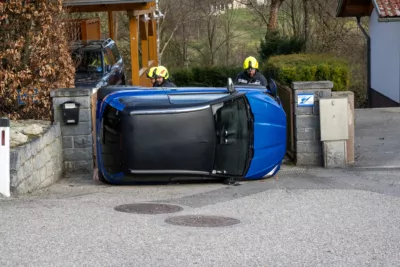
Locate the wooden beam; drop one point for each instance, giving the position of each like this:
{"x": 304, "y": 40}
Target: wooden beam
{"x": 153, "y": 42}
{"x": 84, "y": 30}
{"x": 134, "y": 41}
{"x": 355, "y": 10}
{"x": 99, "y": 29}
{"x": 144, "y": 11}
{"x": 152, "y": 27}
{"x": 111, "y": 30}
{"x": 145, "y": 53}
{"x": 143, "y": 29}
{"x": 109, "y": 7}
{"x": 116, "y": 26}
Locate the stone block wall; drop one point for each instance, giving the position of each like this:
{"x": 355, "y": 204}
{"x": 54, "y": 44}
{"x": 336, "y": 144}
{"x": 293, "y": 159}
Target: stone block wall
{"x": 76, "y": 138}
{"x": 308, "y": 145}
{"x": 38, "y": 163}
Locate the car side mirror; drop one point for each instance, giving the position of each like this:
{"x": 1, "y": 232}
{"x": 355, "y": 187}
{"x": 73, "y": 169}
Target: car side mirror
{"x": 273, "y": 87}
{"x": 231, "y": 86}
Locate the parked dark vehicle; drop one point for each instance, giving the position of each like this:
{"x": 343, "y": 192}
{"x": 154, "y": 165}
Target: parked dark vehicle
{"x": 98, "y": 63}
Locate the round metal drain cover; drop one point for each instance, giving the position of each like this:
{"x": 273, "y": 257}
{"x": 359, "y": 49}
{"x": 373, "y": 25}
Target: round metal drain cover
{"x": 148, "y": 208}
{"x": 202, "y": 221}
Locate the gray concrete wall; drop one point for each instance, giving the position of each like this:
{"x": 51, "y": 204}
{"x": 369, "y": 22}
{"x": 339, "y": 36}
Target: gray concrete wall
{"x": 38, "y": 163}
{"x": 76, "y": 138}
{"x": 308, "y": 146}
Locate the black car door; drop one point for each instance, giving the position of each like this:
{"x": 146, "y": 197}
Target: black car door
{"x": 233, "y": 127}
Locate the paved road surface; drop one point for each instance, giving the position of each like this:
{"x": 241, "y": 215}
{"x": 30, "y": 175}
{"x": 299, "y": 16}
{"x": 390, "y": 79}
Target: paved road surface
{"x": 305, "y": 218}
{"x": 377, "y": 137}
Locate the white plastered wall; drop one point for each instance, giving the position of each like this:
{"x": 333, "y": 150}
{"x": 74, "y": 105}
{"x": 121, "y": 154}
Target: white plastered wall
{"x": 385, "y": 57}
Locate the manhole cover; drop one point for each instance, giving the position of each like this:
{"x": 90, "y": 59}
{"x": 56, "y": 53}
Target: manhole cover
{"x": 202, "y": 221}
{"x": 148, "y": 208}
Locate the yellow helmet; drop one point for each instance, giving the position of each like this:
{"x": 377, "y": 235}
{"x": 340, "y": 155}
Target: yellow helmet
{"x": 161, "y": 71}
{"x": 250, "y": 62}
{"x": 150, "y": 73}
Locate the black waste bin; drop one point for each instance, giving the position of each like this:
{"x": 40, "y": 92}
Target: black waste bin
{"x": 70, "y": 112}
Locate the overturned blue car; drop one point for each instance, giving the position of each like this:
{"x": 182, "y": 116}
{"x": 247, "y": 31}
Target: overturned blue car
{"x": 142, "y": 133}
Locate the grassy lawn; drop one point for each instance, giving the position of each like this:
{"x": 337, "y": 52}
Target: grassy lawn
{"x": 247, "y": 25}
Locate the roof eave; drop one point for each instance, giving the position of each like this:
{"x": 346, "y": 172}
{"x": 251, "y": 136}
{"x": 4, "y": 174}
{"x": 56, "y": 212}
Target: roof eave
{"x": 389, "y": 19}
{"x": 70, "y": 3}
{"x": 344, "y": 12}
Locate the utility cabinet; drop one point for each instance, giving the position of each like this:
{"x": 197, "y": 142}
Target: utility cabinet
{"x": 334, "y": 131}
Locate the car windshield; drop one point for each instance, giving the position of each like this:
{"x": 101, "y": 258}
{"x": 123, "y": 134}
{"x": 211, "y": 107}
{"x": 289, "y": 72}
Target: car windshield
{"x": 87, "y": 61}
{"x": 233, "y": 129}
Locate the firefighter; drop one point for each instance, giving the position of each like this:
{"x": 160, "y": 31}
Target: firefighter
{"x": 150, "y": 75}
{"x": 251, "y": 74}
{"x": 162, "y": 77}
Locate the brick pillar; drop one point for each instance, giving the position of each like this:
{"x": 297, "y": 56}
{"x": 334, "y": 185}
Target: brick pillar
{"x": 76, "y": 138}
{"x": 308, "y": 145}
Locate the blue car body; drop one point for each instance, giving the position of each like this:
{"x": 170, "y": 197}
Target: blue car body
{"x": 266, "y": 120}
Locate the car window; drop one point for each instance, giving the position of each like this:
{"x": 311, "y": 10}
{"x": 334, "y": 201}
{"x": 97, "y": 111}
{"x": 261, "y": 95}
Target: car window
{"x": 115, "y": 52}
{"x": 87, "y": 61}
{"x": 231, "y": 115}
{"x": 108, "y": 56}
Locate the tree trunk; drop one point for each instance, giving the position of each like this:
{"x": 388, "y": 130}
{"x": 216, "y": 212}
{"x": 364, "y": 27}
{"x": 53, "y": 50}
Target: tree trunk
{"x": 273, "y": 15}
{"x": 306, "y": 18}
{"x": 293, "y": 14}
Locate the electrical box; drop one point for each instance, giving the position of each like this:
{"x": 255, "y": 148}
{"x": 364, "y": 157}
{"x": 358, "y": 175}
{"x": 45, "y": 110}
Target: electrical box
{"x": 334, "y": 118}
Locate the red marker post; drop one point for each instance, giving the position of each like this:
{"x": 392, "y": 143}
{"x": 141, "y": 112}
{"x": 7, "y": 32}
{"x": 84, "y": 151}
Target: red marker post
{"x": 5, "y": 157}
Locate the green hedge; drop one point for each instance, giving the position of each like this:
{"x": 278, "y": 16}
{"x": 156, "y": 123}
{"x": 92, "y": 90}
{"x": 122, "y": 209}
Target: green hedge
{"x": 309, "y": 67}
{"x": 204, "y": 76}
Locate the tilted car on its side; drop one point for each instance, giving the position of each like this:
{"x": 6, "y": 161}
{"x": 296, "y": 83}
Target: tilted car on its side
{"x": 238, "y": 131}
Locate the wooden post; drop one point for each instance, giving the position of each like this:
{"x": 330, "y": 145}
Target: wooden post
{"x": 145, "y": 53}
{"x": 99, "y": 28}
{"x": 134, "y": 41}
{"x": 116, "y": 26}
{"x": 153, "y": 41}
{"x": 143, "y": 28}
{"x": 111, "y": 30}
{"x": 83, "y": 30}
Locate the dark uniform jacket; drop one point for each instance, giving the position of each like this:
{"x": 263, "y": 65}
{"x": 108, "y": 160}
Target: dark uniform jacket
{"x": 166, "y": 83}
{"x": 257, "y": 79}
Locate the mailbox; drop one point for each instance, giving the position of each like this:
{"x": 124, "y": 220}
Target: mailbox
{"x": 70, "y": 112}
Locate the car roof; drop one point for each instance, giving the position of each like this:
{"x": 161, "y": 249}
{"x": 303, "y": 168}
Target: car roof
{"x": 90, "y": 45}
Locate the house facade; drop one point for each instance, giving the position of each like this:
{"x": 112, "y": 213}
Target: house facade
{"x": 383, "y": 45}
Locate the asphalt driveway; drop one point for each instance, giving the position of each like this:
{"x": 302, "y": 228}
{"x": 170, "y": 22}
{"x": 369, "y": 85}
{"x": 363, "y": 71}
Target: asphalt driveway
{"x": 303, "y": 218}
{"x": 377, "y": 137}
